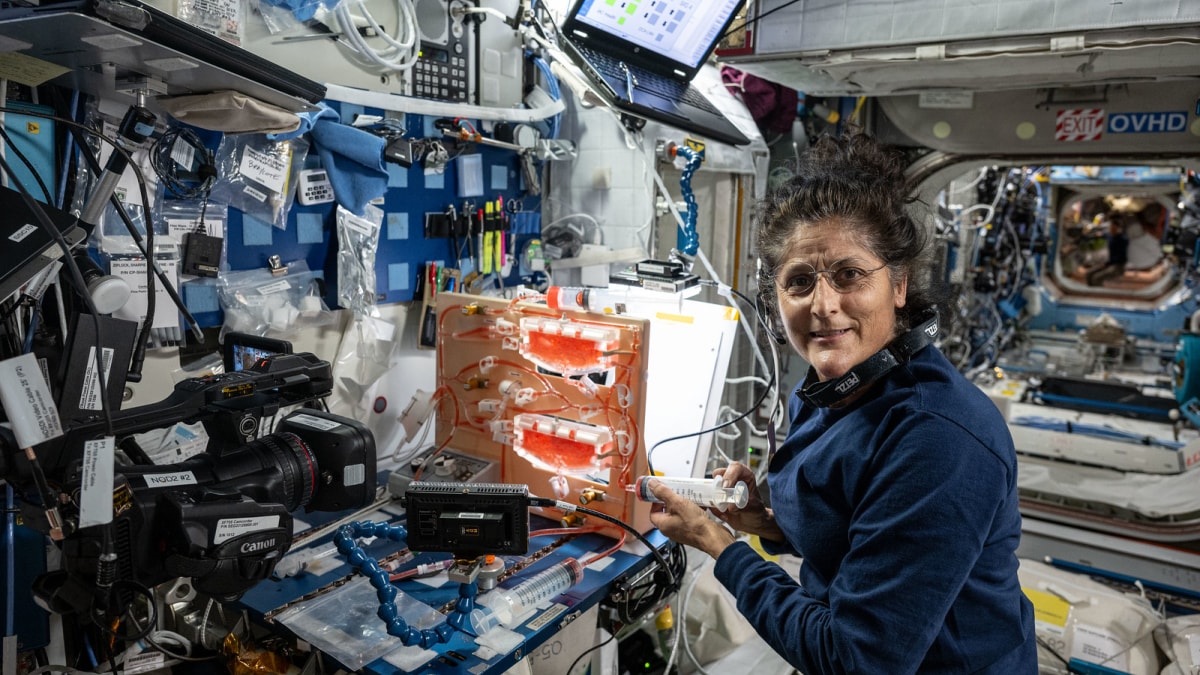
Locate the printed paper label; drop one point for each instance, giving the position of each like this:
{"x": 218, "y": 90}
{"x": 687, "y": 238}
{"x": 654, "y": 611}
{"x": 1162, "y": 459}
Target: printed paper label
{"x": 228, "y": 528}
{"x": 949, "y": 100}
{"x": 96, "y": 494}
{"x": 266, "y": 168}
{"x": 360, "y": 225}
{"x": 144, "y": 662}
{"x": 170, "y": 479}
{"x": 89, "y": 398}
{"x": 182, "y": 153}
{"x": 275, "y": 287}
{"x": 1095, "y": 644}
{"x": 314, "y": 422}
{"x": 177, "y": 227}
{"x": 257, "y": 195}
{"x": 27, "y": 401}
{"x": 22, "y": 233}
{"x": 166, "y": 315}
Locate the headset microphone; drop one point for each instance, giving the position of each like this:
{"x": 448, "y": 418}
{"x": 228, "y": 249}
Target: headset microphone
{"x": 898, "y": 351}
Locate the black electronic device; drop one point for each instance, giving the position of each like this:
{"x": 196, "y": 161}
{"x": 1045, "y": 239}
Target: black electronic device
{"x": 230, "y": 406}
{"x": 28, "y": 248}
{"x": 243, "y": 350}
{"x": 654, "y": 282}
{"x": 642, "y": 61}
{"x": 202, "y": 254}
{"x": 123, "y": 46}
{"x": 79, "y": 388}
{"x": 445, "y": 69}
{"x": 221, "y": 518}
{"x": 467, "y": 519}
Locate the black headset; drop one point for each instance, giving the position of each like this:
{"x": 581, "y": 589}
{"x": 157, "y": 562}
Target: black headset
{"x": 898, "y": 351}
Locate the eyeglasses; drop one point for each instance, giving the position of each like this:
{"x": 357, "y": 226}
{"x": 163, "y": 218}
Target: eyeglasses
{"x": 799, "y": 279}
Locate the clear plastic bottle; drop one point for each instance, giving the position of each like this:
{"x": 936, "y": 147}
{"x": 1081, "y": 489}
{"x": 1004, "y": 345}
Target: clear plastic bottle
{"x": 707, "y": 492}
{"x": 504, "y": 605}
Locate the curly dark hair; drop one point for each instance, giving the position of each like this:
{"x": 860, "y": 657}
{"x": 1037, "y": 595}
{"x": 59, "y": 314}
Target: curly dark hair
{"x": 861, "y": 182}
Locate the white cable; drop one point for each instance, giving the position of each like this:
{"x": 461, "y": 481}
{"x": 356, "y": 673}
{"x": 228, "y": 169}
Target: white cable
{"x": 414, "y": 447}
{"x": 418, "y": 106}
{"x": 204, "y": 623}
{"x": 402, "y": 49}
{"x": 460, "y": 10}
{"x": 687, "y": 596}
{"x": 712, "y": 273}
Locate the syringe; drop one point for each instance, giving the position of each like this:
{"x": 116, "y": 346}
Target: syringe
{"x": 503, "y": 606}
{"x": 707, "y": 492}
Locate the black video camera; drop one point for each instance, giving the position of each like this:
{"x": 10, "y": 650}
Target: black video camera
{"x": 223, "y": 519}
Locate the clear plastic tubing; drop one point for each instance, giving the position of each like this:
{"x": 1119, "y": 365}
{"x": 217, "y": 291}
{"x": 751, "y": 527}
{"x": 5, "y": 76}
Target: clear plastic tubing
{"x": 708, "y": 492}
{"x": 503, "y": 605}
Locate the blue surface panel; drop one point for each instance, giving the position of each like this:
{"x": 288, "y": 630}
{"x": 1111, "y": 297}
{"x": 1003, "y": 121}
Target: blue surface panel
{"x": 256, "y": 232}
{"x": 398, "y": 277}
{"x": 348, "y": 111}
{"x": 435, "y": 181}
{"x": 201, "y": 298}
{"x": 397, "y": 226}
{"x": 499, "y": 177}
{"x": 310, "y": 228}
{"x": 397, "y": 175}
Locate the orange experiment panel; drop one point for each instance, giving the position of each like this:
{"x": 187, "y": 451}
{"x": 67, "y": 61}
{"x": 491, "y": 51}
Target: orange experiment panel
{"x": 558, "y": 398}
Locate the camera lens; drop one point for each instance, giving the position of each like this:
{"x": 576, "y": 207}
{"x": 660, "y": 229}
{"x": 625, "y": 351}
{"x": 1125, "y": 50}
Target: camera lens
{"x": 284, "y": 451}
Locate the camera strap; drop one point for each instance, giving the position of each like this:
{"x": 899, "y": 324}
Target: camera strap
{"x": 897, "y": 352}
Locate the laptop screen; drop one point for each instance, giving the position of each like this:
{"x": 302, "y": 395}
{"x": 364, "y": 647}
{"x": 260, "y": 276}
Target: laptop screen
{"x": 681, "y": 30}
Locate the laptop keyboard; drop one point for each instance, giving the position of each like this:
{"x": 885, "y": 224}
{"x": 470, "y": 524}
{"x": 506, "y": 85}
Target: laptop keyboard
{"x": 648, "y": 81}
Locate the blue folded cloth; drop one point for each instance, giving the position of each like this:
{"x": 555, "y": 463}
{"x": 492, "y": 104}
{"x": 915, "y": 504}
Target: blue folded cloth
{"x": 303, "y": 10}
{"x": 353, "y": 158}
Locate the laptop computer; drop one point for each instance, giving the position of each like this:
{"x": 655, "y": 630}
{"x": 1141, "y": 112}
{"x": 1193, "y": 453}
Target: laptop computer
{"x": 26, "y": 248}
{"x": 117, "y": 45}
{"x": 643, "y": 55}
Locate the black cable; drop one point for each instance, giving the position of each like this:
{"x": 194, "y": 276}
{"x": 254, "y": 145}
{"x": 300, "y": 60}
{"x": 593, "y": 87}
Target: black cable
{"x": 658, "y": 557}
{"x": 162, "y": 155}
{"x": 589, "y": 650}
{"x": 145, "y": 248}
{"x": 8, "y": 141}
{"x": 755, "y": 19}
{"x": 77, "y": 279}
{"x": 94, "y": 165}
{"x": 151, "y": 609}
{"x": 762, "y": 397}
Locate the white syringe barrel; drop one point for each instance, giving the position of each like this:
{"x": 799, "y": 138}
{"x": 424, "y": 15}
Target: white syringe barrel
{"x": 611, "y": 300}
{"x": 707, "y": 492}
{"x": 503, "y": 605}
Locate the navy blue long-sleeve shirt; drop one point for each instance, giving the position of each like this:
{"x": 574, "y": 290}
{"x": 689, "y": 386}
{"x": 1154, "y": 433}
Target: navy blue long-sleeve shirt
{"x": 903, "y": 506}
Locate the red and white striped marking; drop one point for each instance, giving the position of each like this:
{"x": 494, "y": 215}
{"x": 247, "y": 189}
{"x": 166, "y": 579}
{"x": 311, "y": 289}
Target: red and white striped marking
{"x": 1079, "y": 125}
